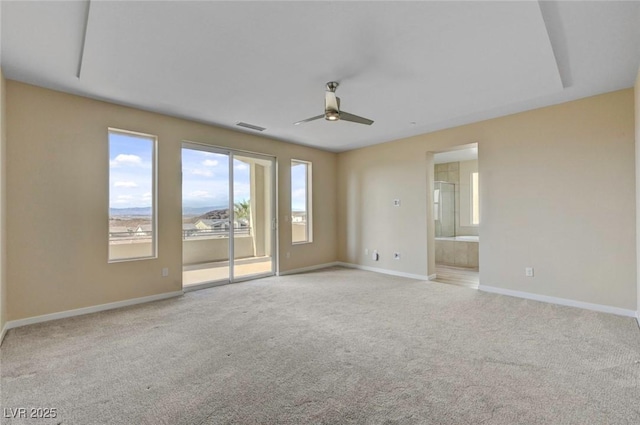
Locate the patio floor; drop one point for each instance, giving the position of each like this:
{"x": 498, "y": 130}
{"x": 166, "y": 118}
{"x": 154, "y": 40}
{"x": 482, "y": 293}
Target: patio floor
{"x": 215, "y": 271}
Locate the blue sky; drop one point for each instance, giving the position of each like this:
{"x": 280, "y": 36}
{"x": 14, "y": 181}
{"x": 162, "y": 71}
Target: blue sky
{"x": 204, "y": 176}
{"x": 204, "y": 183}
{"x": 298, "y": 187}
{"x": 205, "y": 179}
{"x": 130, "y": 171}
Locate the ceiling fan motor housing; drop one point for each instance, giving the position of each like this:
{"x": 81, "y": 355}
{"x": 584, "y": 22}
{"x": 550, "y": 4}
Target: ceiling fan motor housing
{"x": 332, "y": 86}
{"x": 331, "y": 115}
{"x": 332, "y": 109}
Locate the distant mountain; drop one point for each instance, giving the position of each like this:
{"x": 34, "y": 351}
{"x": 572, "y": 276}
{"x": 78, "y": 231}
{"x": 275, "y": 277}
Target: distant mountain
{"x": 146, "y": 211}
{"x": 130, "y": 211}
{"x": 200, "y": 210}
{"x": 205, "y": 212}
{"x": 219, "y": 214}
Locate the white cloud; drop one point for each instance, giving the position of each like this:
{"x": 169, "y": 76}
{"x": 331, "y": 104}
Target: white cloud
{"x": 200, "y": 172}
{"x": 241, "y": 190}
{"x": 200, "y": 194}
{"x": 146, "y": 196}
{"x": 124, "y": 159}
{"x": 124, "y": 197}
{"x": 241, "y": 167}
{"x": 210, "y": 162}
{"x": 125, "y": 184}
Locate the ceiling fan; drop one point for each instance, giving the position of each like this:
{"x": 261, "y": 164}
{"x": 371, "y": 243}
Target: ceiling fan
{"x": 332, "y": 110}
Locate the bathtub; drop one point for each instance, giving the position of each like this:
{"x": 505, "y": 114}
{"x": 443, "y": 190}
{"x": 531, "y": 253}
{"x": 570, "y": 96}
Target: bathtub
{"x": 459, "y": 251}
{"x": 460, "y": 238}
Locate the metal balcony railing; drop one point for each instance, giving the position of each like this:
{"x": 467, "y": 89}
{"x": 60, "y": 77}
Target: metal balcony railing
{"x": 219, "y": 233}
{"x": 133, "y": 236}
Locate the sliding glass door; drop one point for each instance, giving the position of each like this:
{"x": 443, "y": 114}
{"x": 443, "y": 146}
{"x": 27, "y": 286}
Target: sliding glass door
{"x": 253, "y": 207}
{"x": 227, "y": 214}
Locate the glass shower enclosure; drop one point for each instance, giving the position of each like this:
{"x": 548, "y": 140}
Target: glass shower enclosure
{"x": 444, "y": 208}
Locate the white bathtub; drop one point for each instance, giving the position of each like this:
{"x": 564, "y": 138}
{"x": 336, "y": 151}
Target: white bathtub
{"x": 460, "y": 238}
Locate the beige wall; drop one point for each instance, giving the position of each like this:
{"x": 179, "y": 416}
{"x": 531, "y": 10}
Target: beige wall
{"x": 194, "y": 251}
{"x": 3, "y": 206}
{"x": 545, "y": 201}
{"x": 544, "y": 204}
{"x": 637, "y": 119}
{"x": 207, "y": 250}
{"x": 57, "y": 196}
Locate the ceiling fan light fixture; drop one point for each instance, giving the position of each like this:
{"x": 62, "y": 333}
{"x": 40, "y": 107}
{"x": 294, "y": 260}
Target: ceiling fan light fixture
{"x": 332, "y": 110}
{"x": 332, "y": 115}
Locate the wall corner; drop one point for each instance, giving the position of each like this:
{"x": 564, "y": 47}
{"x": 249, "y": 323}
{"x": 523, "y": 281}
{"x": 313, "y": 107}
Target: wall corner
{"x": 3, "y": 204}
{"x": 637, "y": 153}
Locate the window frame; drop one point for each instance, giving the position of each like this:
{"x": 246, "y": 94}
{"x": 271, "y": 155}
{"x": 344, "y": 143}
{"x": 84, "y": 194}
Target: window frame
{"x": 472, "y": 221}
{"x": 154, "y": 193}
{"x": 308, "y": 201}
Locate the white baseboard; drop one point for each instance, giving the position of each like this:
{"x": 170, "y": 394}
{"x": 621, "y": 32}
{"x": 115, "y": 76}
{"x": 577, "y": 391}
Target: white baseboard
{"x": 87, "y": 310}
{"x": 384, "y": 271}
{"x": 638, "y": 316}
{"x": 560, "y": 301}
{"x": 432, "y": 276}
{"x": 308, "y": 269}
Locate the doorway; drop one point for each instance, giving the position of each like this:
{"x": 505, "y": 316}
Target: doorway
{"x": 228, "y": 211}
{"x": 456, "y": 216}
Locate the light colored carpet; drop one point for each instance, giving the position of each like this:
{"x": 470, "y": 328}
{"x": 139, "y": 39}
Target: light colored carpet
{"x": 336, "y": 346}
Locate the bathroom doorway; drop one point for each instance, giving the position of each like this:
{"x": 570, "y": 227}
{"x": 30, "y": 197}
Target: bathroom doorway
{"x": 456, "y": 216}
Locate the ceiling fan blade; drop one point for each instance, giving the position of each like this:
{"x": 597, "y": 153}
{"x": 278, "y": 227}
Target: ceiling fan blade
{"x": 309, "y": 119}
{"x": 331, "y": 102}
{"x": 345, "y": 116}
{"x": 332, "y": 109}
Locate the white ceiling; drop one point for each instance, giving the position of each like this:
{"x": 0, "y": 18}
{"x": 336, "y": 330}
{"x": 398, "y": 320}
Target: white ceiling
{"x": 412, "y": 67}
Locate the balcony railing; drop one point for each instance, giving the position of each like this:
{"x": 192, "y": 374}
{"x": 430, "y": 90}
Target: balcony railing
{"x": 133, "y": 236}
{"x": 214, "y": 233}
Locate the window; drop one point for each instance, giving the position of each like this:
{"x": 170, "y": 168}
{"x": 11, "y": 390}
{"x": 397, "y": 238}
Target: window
{"x": 301, "y": 227}
{"x": 132, "y": 195}
{"x": 475, "y": 200}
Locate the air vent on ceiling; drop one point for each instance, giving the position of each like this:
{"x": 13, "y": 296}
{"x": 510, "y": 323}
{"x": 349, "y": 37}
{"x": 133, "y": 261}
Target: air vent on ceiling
{"x": 251, "y": 126}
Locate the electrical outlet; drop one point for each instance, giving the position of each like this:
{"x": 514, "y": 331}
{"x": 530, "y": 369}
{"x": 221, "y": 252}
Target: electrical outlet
{"x": 375, "y": 256}
{"x": 396, "y": 255}
{"x": 528, "y": 271}
{"x": 165, "y": 272}
{"x": 396, "y": 202}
